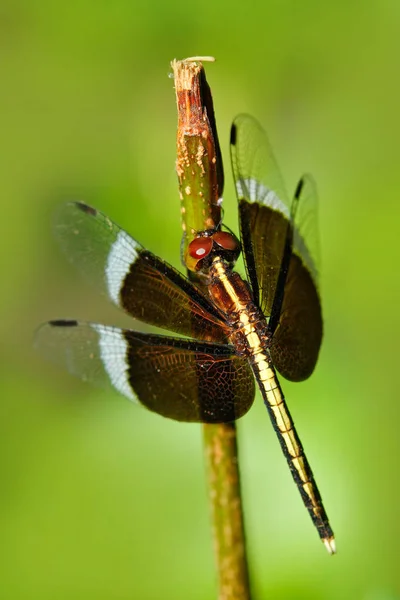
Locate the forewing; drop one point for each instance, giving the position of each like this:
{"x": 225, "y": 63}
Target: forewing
{"x": 298, "y": 335}
{"x": 176, "y": 378}
{"x": 134, "y": 279}
{"x": 280, "y": 246}
{"x": 305, "y": 216}
{"x": 263, "y": 208}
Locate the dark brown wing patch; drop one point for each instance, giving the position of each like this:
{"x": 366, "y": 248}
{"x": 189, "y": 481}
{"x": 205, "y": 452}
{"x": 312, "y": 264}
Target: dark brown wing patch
{"x": 189, "y": 381}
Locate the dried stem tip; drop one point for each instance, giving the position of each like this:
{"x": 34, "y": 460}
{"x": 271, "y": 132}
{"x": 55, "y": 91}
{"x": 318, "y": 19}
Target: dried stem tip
{"x": 199, "y": 162}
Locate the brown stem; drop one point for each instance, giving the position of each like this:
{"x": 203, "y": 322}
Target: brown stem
{"x": 200, "y": 175}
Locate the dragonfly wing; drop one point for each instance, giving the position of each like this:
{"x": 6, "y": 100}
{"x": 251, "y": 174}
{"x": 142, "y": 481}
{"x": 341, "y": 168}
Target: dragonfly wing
{"x": 280, "y": 247}
{"x": 136, "y": 280}
{"x": 299, "y": 328}
{"x": 263, "y": 208}
{"x": 180, "y": 379}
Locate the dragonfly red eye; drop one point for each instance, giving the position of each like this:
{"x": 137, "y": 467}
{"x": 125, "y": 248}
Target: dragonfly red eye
{"x": 200, "y": 247}
{"x": 226, "y": 240}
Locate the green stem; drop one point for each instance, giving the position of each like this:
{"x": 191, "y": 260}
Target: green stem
{"x": 200, "y": 175}
{"x": 221, "y": 454}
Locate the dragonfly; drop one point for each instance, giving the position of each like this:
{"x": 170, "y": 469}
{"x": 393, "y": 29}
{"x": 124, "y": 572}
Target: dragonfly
{"x": 236, "y": 334}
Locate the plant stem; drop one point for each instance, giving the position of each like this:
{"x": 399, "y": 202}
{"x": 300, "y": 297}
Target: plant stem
{"x": 200, "y": 175}
{"x": 221, "y": 453}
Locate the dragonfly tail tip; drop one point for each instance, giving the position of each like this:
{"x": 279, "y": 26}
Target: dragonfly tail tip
{"x": 330, "y": 544}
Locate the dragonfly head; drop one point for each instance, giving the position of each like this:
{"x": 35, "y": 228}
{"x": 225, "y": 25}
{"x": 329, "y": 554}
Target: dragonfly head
{"x": 209, "y": 244}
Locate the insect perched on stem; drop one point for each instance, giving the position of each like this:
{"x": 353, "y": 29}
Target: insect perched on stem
{"x": 271, "y": 322}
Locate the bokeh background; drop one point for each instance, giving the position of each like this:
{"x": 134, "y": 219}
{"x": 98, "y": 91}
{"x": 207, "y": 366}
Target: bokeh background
{"x": 98, "y": 499}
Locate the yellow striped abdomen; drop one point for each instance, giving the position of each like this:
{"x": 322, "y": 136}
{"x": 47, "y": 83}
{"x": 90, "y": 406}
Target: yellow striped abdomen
{"x": 250, "y": 336}
{"x": 291, "y": 445}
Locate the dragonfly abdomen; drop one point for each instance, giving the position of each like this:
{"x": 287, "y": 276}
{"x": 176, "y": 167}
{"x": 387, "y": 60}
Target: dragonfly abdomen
{"x": 251, "y": 338}
{"x": 291, "y": 445}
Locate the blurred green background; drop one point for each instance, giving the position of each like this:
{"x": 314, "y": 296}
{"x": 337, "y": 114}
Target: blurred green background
{"x": 100, "y": 500}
